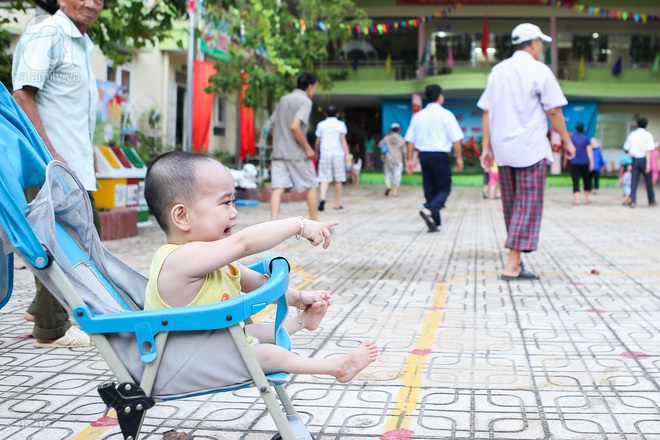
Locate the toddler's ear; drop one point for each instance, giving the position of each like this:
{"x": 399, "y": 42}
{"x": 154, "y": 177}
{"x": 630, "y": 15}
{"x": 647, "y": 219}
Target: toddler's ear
{"x": 179, "y": 217}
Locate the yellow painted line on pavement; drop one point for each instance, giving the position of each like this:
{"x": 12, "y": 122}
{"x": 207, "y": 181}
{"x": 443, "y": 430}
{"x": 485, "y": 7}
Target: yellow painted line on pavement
{"x": 412, "y": 379}
{"x": 96, "y": 429}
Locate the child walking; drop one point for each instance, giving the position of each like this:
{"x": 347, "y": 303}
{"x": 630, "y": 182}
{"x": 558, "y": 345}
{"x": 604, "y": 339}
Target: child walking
{"x": 332, "y": 148}
{"x": 493, "y": 183}
{"x": 193, "y": 199}
{"x": 626, "y": 184}
{"x": 393, "y": 151}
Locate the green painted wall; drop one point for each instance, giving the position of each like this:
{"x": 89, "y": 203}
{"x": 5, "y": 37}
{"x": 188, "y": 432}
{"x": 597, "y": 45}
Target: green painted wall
{"x": 599, "y": 83}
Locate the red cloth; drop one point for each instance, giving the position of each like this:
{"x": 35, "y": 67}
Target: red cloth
{"x": 247, "y": 141}
{"x": 202, "y": 110}
{"x": 484, "y": 39}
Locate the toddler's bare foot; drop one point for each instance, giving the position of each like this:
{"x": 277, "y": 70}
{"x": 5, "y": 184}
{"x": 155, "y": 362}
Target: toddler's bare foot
{"x": 309, "y": 298}
{"x": 356, "y": 361}
{"x": 313, "y": 315}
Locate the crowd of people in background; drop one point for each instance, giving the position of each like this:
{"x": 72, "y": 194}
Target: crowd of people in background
{"x": 336, "y": 158}
{"x": 638, "y": 161}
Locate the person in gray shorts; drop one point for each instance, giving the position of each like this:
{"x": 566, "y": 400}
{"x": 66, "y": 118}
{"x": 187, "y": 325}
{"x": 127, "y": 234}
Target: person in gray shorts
{"x": 292, "y": 165}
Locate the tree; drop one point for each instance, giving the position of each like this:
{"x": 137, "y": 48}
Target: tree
{"x": 122, "y": 25}
{"x": 5, "y": 56}
{"x": 272, "y": 41}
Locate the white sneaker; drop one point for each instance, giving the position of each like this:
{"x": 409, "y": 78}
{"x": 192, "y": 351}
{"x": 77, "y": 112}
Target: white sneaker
{"x": 73, "y": 338}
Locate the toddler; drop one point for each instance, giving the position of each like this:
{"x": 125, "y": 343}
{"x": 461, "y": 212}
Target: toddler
{"x": 193, "y": 199}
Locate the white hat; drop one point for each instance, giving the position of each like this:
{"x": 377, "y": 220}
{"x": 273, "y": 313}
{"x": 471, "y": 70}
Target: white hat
{"x": 527, "y": 32}
{"x": 394, "y": 125}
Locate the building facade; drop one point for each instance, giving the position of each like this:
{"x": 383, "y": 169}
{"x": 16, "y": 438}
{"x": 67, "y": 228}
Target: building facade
{"x": 606, "y": 54}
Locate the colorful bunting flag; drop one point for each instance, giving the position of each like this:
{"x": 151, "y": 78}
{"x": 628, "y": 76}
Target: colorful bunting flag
{"x": 618, "y": 14}
{"x": 386, "y": 28}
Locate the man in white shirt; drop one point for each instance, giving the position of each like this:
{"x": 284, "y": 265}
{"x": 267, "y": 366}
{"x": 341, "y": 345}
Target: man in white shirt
{"x": 639, "y": 145}
{"x": 432, "y": 133}
{"x": 333, "y": 149}
{"x": 521, "y": 92}
{"x": 56, "y": 88}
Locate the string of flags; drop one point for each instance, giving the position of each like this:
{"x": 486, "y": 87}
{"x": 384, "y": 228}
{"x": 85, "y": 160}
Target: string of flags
{"x": 413, "y": 23}
{"x": 617, "y": 14}
{"x": 381, "y": 28}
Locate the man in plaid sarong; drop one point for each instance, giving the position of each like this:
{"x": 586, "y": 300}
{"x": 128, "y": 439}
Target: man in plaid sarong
{"x": 520, "y": 93}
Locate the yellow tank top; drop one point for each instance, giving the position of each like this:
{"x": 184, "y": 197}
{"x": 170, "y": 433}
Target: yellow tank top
{"x": 219, "y": 285}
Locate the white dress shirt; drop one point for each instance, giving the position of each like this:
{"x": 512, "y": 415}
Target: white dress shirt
{"x": 638, "y": 143}
{"x": 434, "y": 129}
{"x": 520, "y": 90}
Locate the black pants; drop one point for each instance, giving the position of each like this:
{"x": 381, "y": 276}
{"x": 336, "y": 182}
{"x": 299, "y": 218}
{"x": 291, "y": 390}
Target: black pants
{"x": 578, "y": 171}
{"x": 595, "y": 177}
{"x": 638, "y": 170}
{"x": 436, "y": 178}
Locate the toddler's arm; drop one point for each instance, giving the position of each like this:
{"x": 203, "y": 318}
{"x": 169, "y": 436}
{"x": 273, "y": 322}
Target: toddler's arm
{"x": 194, "y": 260}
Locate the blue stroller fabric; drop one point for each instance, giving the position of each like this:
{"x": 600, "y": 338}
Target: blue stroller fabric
{"x": 23, "y": 165}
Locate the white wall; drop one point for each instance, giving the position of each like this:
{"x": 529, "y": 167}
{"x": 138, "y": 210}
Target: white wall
{"x": 229, "y": 142}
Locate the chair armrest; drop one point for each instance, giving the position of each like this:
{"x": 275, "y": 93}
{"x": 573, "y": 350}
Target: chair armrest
{"x": 146, "y": 324}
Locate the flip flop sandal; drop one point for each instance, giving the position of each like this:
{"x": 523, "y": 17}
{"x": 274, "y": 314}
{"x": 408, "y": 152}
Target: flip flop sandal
{"x": 522, "y": 276}
{"x": 429, "y": 221}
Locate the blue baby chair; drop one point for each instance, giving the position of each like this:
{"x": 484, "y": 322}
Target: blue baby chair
{"x": 156, "y": 355}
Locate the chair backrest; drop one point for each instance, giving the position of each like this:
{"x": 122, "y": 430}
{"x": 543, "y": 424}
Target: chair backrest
{"x": 61, "y": 216}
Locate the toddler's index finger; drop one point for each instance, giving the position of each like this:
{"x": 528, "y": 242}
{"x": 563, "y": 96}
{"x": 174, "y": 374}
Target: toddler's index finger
{"x": 331, "y": 223}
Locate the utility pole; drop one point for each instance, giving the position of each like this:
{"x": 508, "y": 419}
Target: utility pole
{"x": 187, "y": 130}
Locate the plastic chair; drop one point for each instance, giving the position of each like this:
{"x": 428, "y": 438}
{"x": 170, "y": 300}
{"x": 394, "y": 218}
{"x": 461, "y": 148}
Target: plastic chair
{"x": 156, "y": 355}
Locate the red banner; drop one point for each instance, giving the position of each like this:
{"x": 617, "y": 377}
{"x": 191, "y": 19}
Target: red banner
{"x": 202, "y": 106}
{"x": 247, "y": 141}
{"x": 484, "y": 39}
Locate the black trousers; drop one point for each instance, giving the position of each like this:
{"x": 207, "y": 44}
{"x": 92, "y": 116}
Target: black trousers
{"x": 638, "y": 170}
{"x": 578, "y": 171}
{"x": 436, "y": 178}
{"x": 595, "y": 176}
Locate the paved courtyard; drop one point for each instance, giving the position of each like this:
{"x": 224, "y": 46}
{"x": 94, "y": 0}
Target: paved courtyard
{"x": 464, "y": 355}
